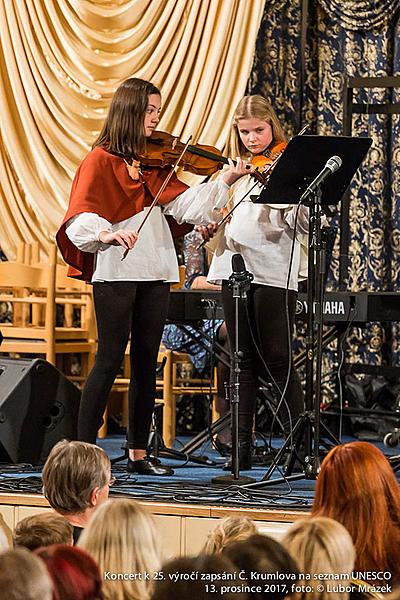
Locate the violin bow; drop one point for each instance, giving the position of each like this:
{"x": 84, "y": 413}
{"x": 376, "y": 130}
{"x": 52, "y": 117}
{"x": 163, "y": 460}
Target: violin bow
{"x": 160, "y": 191}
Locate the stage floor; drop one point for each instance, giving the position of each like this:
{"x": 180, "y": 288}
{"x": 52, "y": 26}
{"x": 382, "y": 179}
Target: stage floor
{"x": 185, "y": 506}
{"x": 192, "y": 483}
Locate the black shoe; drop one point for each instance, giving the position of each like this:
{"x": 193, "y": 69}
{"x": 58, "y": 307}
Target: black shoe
{"x": 244, "y": 458}
{"x": 223, "y": 448}
{"x": 149, "y": 465}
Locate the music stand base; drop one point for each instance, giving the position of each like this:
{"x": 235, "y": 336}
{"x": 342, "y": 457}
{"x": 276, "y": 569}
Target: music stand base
{"x": 231, "y": 480}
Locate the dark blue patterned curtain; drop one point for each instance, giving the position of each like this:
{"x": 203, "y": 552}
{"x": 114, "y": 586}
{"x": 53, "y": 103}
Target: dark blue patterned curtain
{"x": 344, "y": 38}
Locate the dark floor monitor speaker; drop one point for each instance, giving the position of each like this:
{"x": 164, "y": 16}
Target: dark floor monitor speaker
{"x": 38, "y": 408}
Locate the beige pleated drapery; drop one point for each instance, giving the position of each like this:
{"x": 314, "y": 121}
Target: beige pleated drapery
{"x": 61, "y": 61}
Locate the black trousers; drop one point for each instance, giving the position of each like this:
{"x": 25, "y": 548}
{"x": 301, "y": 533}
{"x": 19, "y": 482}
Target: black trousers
{"x": 138, "y": 309}
{"x": 267, "y": 321}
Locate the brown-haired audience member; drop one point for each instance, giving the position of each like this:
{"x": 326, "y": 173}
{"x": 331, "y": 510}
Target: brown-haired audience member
{"x": 228, "y": 530}
{"x": 74, "y": 573}
{"x": 259, "y": 556}
{"x": 76, "y": 479}
{"x": 357, "y": 487}
{"x": 200, "y": 577}
{"x": 43, "y": 530}
{"x": 121, "y": 538}
{"x": 321, "y": 546}
{"x": 23, "y": 576}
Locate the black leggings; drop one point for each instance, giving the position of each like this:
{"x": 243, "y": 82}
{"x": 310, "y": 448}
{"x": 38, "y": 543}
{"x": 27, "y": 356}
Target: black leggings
{"x": 267, "y": 316}
{"x": 138, "y": 309}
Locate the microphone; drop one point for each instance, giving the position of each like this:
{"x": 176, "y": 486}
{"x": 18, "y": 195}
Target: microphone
{"x": 238, "y": 267}
{"x": 332, "y": 164}
{"x": 240, "y": 280}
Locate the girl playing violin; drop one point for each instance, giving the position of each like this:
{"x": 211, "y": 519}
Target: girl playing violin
{"x": 263, "y": 235}
{"x": 110, "y": 195}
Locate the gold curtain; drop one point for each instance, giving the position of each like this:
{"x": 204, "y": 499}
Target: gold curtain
{"x": 60, "y": 62}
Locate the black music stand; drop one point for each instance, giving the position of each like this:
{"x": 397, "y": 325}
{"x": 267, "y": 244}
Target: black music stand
{"x": 303, "y": 159}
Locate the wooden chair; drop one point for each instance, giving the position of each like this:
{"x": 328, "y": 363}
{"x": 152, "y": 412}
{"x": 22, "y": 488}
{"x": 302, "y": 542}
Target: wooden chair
{"x": 173, "y": 386}
{"x": 34, "y": 291}
{"x": 170, "y": 386}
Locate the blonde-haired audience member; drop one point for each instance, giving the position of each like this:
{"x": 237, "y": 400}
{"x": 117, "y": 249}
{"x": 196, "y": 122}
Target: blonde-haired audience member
{"x": 43, "y": 530}
{"x": 76, "y": 479}
{"x": 229, "y": 529}
{"x": 23, "y": 576}
{"x": 121, "y": 537}
{"x": 321, "y": 545}
{"x": 4, "y": 545}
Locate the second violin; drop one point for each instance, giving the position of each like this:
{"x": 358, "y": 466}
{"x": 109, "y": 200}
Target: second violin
{"x": 164, "y": 149}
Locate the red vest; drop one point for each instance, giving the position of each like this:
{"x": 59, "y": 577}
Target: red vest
{"x": 103, "y": 186}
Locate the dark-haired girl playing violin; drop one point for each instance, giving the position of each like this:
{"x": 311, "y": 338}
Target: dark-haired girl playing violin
{"x": 110, "y": 196}
{"x": 263, "y": 235}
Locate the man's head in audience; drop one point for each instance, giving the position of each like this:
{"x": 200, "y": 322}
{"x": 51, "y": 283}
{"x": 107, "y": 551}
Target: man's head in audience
{"x": 43, "y": 530}
{"x": 23, "y": 575}
{"x": 76, "y": 480}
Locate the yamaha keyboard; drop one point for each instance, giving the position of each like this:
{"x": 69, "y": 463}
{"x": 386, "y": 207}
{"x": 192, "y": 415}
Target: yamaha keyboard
{"x": 349, "y": 307}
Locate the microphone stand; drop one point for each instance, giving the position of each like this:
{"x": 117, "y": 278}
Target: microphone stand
{"x": 309, "y": 424}
{"x": 239, "y": 284}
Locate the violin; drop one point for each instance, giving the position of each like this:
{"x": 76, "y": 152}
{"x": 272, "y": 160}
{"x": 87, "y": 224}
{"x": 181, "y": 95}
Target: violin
{"x": 163, "y": 149}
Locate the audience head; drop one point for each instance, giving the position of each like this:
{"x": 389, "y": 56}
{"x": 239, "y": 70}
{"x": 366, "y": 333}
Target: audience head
{"x": 121, "y": 538}
{"x": 321, "y": 545}
{"x": 229, "y": 529}
{"x": 42, "y": 530}
{"x": 189, "y": 583}
{"x": 74, "y": 573}
{"x": 357, "y": 487}
{"x": 23, "y": 576}
{"x": 76, "y": 477}
{"x": 263, "y": 554}
{"x": 4, "y": 545}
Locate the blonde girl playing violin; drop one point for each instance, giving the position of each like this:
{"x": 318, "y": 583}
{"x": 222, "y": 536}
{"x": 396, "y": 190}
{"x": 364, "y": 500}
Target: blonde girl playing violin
{"x": 263, "y": 235}
{"x": 110, "y": 196}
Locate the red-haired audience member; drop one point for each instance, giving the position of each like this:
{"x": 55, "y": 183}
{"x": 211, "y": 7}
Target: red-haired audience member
{"x": 43, "y": 530}
{"x": 260, "y": 556}
{"x": 76, "y": 479}
{"x": 200, "y": 577}
{"x": 74, "y": 573}
{"x": 228, "y": 530}
{"x": 121, "y": 538}
{"x": 23, "y": 576}
{"x": 357, "y": 487}
{"x": 322, "y": 548}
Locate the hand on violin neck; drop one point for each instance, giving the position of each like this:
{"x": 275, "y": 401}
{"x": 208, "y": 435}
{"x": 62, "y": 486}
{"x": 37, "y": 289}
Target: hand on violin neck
{"x": 122, "y": 237}
{"x": 236, "y": 171}
{"x": 133, "y": 169}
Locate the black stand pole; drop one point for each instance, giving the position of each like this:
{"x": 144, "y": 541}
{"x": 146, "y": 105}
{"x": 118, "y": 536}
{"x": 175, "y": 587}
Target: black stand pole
{"x": 308, "y": 426}
{"x": 239, "y": 286}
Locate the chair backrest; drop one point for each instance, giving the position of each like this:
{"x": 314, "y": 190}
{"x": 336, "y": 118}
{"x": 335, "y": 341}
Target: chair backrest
{"x": 76, "y": 298}
{"x": 28, "y": 286}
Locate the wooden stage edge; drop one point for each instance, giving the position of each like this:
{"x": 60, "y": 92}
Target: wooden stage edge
{"x": 175, "y": 509}
{"x": 182, "y": 528}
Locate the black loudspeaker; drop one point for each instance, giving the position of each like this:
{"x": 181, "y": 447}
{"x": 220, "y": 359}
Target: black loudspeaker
{"x": 38, "y": 408}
